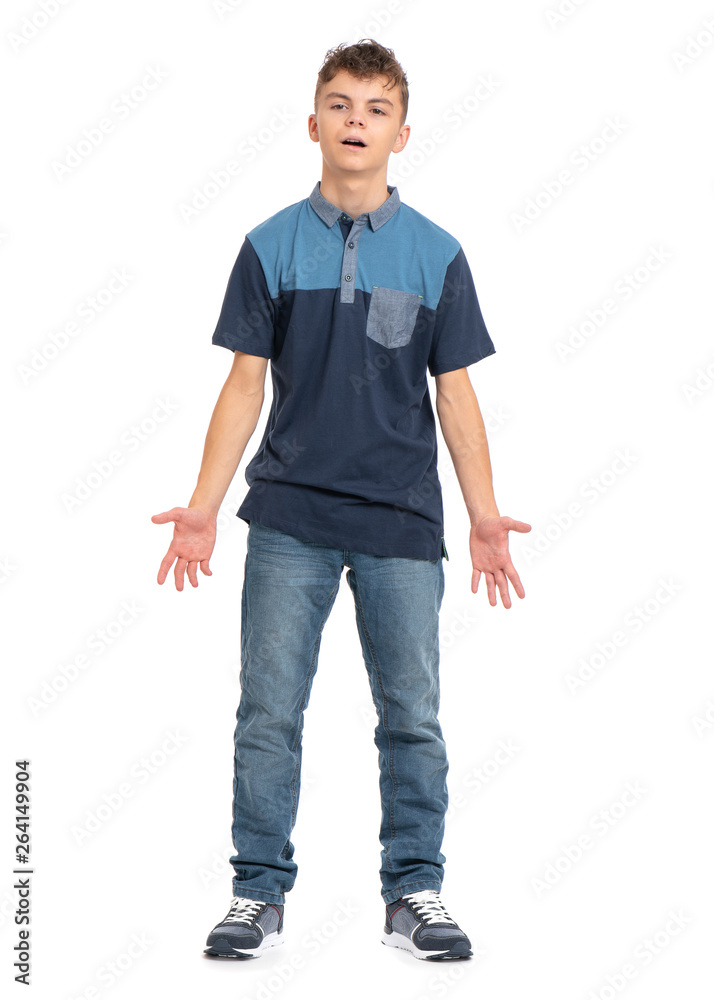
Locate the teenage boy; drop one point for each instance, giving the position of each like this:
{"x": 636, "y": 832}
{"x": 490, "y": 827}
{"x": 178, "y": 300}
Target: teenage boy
{"x": 352, "y": 296}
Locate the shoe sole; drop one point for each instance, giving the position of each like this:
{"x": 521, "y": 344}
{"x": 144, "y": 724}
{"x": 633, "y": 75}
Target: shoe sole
{"x": 222, "y": 948}
{"x": 457, "y": 951}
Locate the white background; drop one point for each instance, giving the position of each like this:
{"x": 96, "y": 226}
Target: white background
{"x": 155, "y": 871}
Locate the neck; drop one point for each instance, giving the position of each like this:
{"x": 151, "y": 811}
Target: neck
{"x": 354, "y": 194}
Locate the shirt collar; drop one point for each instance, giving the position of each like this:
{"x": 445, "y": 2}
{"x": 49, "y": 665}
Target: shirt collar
{"x": 330, "y": 213}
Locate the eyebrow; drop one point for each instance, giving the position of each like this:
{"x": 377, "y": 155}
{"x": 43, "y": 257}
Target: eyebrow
{"x": 371, "y": 100}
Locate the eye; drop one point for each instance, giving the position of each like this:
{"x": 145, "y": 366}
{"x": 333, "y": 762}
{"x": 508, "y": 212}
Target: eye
{"x": 338, "y": 105}
{"x": 378, "y": 109}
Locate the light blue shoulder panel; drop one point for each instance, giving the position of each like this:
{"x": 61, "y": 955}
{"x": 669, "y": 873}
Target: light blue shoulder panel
{"x": 409, "y": 252}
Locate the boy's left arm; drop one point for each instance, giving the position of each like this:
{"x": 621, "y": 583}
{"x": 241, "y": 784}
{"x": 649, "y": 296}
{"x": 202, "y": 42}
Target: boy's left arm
{"x": 465, "y": 435}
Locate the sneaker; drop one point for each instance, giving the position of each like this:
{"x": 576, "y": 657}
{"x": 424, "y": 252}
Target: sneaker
{"x": 249, "y": 927}
{"x": 419, "y": 923}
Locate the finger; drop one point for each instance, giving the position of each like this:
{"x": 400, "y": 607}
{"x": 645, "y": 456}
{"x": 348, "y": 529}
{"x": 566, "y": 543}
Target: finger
{"x": 191, "y": 572}
{"x": 475, "y": 580}
{"x": 204, "y": 568}
{"x": 491, "y": 588}
{"x": 178, "y": 573}
{"x": 515, "y": 580}
{"x": 503, "y": 589}
{"x": 165, "y": 566}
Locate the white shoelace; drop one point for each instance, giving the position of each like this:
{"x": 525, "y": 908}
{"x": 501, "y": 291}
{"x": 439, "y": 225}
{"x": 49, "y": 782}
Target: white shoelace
{"x": 242, "y": 910}
{"x": 429, "y": 907}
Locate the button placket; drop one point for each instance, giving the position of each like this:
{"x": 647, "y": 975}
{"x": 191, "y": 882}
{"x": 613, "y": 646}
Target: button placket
{"x": 349, "y": 261}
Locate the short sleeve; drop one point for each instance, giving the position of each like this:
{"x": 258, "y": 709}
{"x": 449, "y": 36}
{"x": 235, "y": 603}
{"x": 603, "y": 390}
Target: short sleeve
{"x": 460, "y": 336}
{"x": 246, "y": 322}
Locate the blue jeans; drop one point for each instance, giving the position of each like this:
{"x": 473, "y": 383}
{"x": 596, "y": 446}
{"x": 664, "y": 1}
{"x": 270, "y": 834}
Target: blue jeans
{"x": 289, "y": 588}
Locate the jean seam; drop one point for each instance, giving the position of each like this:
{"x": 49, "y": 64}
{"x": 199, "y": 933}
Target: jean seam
{"x": 234, "y": 811}
{"x": 311, "y": 674}
{"x": 385, "y": 720}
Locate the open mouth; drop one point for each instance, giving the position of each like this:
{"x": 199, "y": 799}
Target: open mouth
{"x": 353, "y": 142}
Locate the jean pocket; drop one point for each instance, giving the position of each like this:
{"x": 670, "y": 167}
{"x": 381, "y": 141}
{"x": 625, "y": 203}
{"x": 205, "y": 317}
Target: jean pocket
{"x": 392, "y": 316}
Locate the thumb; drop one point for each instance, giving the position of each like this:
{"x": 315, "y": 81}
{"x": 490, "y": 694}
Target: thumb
{"x": 513, "y": 525}
{"x": 167, "y": 515}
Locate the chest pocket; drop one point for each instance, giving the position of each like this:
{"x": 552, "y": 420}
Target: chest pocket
{"x": 392, "y": 316}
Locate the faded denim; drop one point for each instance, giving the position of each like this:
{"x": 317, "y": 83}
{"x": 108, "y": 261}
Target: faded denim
{"x": 290, "y": 585}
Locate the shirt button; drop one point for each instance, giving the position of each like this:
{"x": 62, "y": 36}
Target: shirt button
{"x": 348, "y": 277}
{"x": 351, "y": 246}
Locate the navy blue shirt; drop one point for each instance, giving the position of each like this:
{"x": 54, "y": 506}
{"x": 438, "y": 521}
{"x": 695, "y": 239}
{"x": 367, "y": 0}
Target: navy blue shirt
{"x": 352, "y": 313}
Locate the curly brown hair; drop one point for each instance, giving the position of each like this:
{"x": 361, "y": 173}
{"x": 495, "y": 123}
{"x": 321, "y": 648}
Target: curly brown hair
{"x": 365, "y": 59}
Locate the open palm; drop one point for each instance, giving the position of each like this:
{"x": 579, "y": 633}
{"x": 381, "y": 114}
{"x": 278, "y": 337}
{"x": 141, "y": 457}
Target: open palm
{"x": 191, "y": 546}
{"x": 488, "y": 541}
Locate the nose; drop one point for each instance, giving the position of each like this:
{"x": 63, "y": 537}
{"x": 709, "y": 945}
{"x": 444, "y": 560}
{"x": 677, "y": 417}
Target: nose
{"x": 355, "y": 118}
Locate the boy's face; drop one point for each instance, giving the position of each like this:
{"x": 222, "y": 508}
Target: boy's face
{"x": 366, "y": 109}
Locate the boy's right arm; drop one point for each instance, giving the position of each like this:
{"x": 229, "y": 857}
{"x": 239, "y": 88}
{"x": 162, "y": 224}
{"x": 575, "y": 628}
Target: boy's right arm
{"x": 235, "y": 417}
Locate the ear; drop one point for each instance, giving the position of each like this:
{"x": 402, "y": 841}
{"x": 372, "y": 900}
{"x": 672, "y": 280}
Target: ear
{"x": 401, "y": 139}
{"x": 312, "y": 127}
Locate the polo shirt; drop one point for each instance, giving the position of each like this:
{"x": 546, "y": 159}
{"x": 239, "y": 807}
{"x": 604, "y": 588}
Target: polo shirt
{"x": 351, "y": 313}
